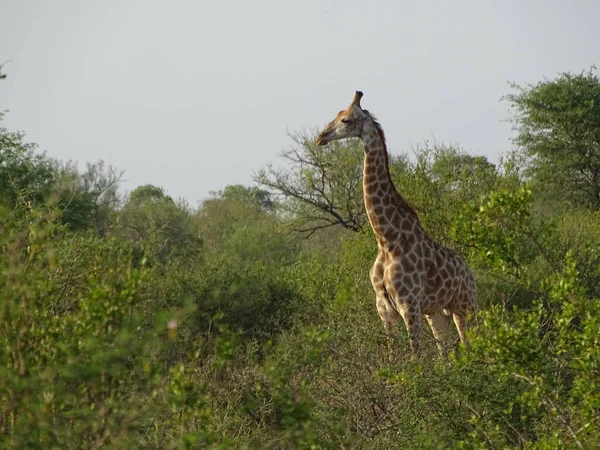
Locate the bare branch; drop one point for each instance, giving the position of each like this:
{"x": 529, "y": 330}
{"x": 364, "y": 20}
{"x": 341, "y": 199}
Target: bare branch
{"x": 319, "y": 184}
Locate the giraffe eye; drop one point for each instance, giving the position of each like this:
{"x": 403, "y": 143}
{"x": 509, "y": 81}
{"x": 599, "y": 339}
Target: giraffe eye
{"x": 345, "y": 120}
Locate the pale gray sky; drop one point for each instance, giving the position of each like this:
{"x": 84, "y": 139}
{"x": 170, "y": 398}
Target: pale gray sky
{"x": 194, "y": 95}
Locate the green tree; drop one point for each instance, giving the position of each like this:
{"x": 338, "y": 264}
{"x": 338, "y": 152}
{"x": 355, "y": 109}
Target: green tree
{"x": 87, "y": 198}
{"x": 440, "y": 180}
{"x": 558, "y": 125}
{"x": 251, "y": 196}
{"x": 148, "y": 193}
{"x": 242, "y": 221}
{"x": 458, "y": 171}
{"x": 69, "y": 311}
{"x": 552, "y": 351}
{"x": 161, "y": 227}
{"x": 23, "y": 171}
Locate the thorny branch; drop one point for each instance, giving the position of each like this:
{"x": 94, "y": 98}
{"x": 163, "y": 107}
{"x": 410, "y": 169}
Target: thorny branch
{"x": 324, "y": 184}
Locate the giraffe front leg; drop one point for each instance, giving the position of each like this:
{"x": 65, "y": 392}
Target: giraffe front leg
{"x": 389, "y": 317}
{"x": 439, "y": 324}
{"x": 410, "y": 308}
{"x": 406, "y": 289}
{"x": 388, "y": 314}
{"x": 412, "y": 320}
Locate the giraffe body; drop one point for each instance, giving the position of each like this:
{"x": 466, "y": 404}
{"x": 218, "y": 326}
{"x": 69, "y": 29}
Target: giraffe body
{"x": 413, "y": 275}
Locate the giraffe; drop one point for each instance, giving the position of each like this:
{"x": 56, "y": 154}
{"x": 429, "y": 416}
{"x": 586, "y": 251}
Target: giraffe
{"x": 412, "y": 274}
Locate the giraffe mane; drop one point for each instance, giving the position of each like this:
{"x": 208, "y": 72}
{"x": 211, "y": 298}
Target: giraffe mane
{"x": 402, "y": 202}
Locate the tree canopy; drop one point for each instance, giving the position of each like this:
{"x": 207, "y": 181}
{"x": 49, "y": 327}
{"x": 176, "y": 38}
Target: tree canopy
{"x": 558, "y": 125}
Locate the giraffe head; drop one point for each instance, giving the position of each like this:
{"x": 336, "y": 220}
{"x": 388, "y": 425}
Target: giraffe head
{"x": 348, "y": 123}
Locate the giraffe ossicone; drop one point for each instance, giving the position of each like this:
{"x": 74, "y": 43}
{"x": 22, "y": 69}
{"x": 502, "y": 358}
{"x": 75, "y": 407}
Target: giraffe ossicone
{"x": 413, "y": 275}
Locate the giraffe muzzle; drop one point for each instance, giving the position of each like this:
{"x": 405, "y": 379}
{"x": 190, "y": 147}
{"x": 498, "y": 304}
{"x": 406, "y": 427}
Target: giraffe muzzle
{"x": 322, "y": 139}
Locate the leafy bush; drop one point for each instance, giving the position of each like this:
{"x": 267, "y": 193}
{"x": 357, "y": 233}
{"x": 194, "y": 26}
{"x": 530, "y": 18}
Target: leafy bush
{"x": 139, "y": 322}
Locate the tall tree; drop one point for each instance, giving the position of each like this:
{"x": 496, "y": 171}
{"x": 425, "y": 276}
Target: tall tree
{"x": 250, "y": 196}
{"x": 558, "y": 125}
{"x": 87, "y": 198}
{"x": 440, "y": 179}
{"x": 160, "y": 226}
{"x": 23, "y": 171}
{"x": 242, "y": 222}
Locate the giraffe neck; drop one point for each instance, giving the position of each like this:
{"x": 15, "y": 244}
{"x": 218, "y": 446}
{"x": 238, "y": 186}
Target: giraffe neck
{"x": 386, "y": 208}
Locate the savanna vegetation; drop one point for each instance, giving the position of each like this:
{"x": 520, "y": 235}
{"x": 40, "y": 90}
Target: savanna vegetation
{"x": 138, "y": 321}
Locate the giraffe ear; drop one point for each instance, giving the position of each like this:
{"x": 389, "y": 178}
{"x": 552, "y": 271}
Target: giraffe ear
{"x": 358, "y": 113}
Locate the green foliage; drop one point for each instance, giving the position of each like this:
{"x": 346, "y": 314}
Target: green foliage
{"x": 501, "y": 230}
{"x": 139, "y": 322}
{"x": 159, "y": 227}
{"x": 249, "y": 196}
{"x": 552, "y": 351}
{"x": 22, "y": 171}
{"x": 578, "y": 231}
{"x": 67, "y": 363}
{"x": 148, "y": 193}
{"x": 255, "y": 300}
{"x": 440, "y": 181}
{"x": 243, "y": 223}
{"x": 87, "y": 198}
{"x": 557, "y": 122}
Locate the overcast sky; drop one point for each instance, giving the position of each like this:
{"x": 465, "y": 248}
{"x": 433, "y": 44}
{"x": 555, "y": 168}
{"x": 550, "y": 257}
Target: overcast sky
{"x": 192, "y": 95}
